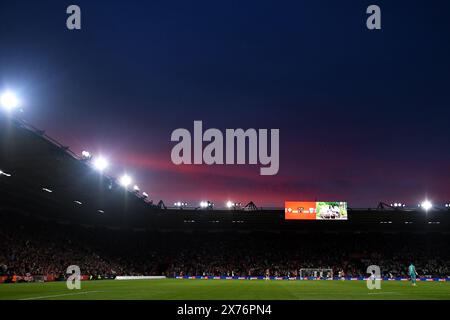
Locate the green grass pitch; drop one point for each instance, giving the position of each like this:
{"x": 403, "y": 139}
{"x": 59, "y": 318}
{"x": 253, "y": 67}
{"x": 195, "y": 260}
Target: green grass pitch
{"x": 173, "y": 289}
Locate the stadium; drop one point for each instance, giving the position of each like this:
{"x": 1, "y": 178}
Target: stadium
{"x": 224, "y": 158}
{"x": 59, "y": 209}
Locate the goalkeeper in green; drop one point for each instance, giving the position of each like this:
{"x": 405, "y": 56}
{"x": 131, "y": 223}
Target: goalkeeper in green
{"x": 412, "y": 274}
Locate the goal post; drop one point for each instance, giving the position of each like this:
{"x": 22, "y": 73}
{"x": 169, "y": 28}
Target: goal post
{"x": 319, "y": 273}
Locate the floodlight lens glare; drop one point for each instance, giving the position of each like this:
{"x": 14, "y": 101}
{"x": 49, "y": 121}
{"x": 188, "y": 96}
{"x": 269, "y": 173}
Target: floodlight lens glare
{"x": 100, "y": 163}
{"x": 426, "y": 205}
{"x": 9, "y": 101}
{"x": 125, "y": 180}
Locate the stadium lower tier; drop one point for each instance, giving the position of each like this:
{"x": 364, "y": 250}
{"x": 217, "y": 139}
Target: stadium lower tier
{"x": 43, "y": 248}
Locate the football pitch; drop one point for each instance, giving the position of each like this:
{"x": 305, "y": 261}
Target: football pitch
{"x": 173, "y": 289}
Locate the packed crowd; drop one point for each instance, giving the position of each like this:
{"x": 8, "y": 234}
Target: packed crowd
{"x": 43, "y": 249}
{"x": 26, "y": 252}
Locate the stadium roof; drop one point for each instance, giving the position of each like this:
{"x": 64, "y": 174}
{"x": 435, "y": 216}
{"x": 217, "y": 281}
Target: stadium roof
{"x": 43, "y": 178}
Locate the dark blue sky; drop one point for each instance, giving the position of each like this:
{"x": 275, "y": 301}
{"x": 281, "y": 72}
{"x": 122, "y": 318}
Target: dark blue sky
{"x": 363, "y": 115}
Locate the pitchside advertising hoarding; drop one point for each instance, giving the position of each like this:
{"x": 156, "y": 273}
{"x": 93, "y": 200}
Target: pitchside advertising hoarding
{"x": 315, "y": 210}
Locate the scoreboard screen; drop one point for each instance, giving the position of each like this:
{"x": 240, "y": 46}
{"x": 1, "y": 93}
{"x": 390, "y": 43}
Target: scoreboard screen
{"x": 317, "y": 210}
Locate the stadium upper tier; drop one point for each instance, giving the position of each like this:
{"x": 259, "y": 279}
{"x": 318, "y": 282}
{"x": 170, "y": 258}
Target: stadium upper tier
{"x": 40, "y": 177}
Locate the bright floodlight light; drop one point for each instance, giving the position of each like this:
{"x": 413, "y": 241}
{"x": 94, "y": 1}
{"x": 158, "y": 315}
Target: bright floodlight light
{"x": 184, "y": 204}
{"x": 203, "y": 204}
{"x": 85, "y": 154}
{"x": 230, "y": 204}
{"x": 426, "y": 205}
{"x": 100, "y": 163}
{"x": 125, "y": 180}
{"x": 136, "y": 188}
{"x": 9, "y": 101}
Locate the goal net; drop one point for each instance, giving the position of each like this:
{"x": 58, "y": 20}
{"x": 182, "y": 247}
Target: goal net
{"x": 318, "y": 273}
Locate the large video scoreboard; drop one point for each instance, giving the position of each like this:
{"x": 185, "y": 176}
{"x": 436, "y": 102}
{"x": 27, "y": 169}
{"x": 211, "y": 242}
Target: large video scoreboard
{"x": 315, "y": 210}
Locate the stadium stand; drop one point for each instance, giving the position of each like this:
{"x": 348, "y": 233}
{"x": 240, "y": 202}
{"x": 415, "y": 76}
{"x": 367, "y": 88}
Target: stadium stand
{"x": 56, "y": 211}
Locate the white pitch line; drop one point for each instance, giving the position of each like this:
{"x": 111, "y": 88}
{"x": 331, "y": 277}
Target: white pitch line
{"x": 61, "y": 295}
{"x": 383, "y": 293}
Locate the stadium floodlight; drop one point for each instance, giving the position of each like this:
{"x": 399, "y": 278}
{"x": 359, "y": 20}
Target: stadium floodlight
{"x": 230, "y": 204}
{"x": 86, "y": 154}
{"x": 136, "y": 188}
{"x": 426, "y": 205}
{"x": 9, "y": 101}
{"x": 125, "y": 180}
{"x": 206, "y": 204}
{"x": 144, "y": 194}
{"x": 180, "y": 204}
{"x": 398, "y": 205}
{"x": 100, "y": 163}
